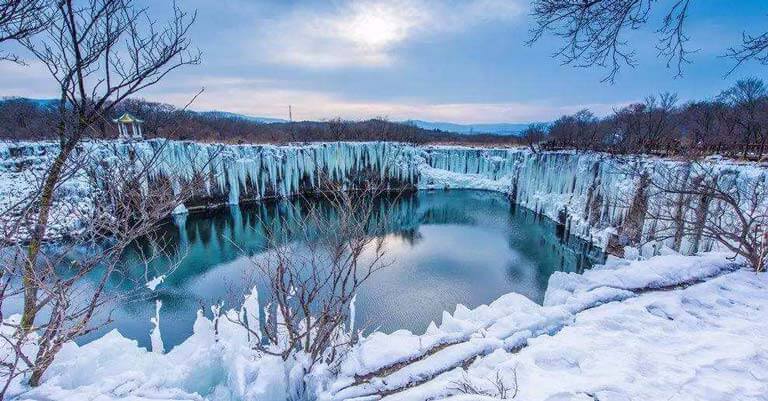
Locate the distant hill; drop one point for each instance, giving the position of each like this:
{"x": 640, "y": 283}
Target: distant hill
{"x": 36, "y": 102}
{"x": 213, "y": 113}
{"x": 472, "y": 129}
{"x": 226, "y": 114}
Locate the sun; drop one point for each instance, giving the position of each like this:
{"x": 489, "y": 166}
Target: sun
{"x": 376, "y": 28}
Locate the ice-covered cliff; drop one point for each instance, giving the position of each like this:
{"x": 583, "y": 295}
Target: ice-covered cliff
{"x": 587, "y": 192}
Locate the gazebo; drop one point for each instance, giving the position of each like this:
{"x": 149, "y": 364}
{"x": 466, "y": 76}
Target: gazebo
{"x": 129, "y": 127}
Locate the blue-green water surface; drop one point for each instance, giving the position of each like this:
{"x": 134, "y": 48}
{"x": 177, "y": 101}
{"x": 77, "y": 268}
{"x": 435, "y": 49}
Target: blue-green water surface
{"x": 445, "y": 248}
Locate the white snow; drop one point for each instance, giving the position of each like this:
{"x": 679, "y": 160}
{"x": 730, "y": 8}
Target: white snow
{"x": 705, "y": 342}
{"x": 512, "y": 320}
{"x": 180, "y": 209}
{"x": 152, "y": 284}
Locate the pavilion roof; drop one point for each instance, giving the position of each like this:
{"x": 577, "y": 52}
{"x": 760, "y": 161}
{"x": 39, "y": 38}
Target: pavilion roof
{"x": 128, "y": 118}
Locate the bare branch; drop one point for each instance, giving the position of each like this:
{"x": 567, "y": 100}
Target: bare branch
{"x": 19, "y": 20}
{"x": 751, "y": 48}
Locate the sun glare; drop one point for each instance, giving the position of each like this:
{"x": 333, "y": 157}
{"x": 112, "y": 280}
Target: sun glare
{"x": 376, "y": 28}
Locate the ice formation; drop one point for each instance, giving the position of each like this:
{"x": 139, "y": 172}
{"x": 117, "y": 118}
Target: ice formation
{"x": 587, "y": 192}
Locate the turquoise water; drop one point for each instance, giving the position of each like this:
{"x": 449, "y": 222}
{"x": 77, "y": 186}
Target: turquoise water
{"x": 446, "y": 247}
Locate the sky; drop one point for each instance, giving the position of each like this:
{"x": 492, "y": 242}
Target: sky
{"x": 463, "y": 61}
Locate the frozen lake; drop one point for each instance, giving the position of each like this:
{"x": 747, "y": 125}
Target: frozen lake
{"x": 446, "y": 248}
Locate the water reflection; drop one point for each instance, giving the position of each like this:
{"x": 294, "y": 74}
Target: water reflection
{"x": 448, "y": 247}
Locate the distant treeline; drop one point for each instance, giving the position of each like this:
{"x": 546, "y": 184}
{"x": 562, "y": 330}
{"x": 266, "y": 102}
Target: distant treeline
{"x": 734, "y": 123}
{"x": 24, "y": 119}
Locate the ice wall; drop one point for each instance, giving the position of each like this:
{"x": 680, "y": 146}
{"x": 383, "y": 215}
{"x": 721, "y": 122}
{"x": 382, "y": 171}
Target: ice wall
{"x": 588, "y": 193}
{"x": 238, "y": 173}
{"x": 580, "y": 190}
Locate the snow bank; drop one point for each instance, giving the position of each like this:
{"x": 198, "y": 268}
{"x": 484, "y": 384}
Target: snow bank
{"x": 215, "y": 363}
{"x": 508, "y": 323}
{"x": 703, "y": 342}
{"x": 654, "y": 273}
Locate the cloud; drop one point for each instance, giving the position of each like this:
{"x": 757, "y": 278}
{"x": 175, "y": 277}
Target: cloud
{"x": 366, "y": 33}
{"x": 259, "y": 98}
{"x": 32, "y": 80}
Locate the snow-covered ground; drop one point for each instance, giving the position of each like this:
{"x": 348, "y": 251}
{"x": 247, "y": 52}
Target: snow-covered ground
{"x": 704, "y": 342}
{"x": 671, "y": 327}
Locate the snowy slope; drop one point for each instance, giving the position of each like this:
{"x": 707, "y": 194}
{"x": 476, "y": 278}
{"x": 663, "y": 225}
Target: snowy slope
{"x": 705, "y": 342}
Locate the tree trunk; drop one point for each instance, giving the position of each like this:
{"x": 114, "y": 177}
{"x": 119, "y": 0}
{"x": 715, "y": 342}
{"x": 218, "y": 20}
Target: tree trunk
{"x": 701, "y": 219}
{"x": 29, "y": 281}
{"x": 42, "y": 364}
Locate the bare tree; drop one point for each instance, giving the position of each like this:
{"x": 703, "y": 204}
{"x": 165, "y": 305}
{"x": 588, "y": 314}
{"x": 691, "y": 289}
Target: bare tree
{"x": 580, "y": 130}
{"x": 21, "y": 118}
{"x": 702, "y": 124}
{"x": 735, "y": 124}
{"x": 129, "y": 198}
{"x": 752, "y": 47}
{"x": 659, "y": 124}
{"x": 593, "y": 32}
{"x": 628, "y": 127}
{"x": 748, "y": 99}
{"x": 496, "y": 387}
{"x": 533, "y": 135}
{"x": 99, "y": 53}
{"x": 20, "y": 19}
